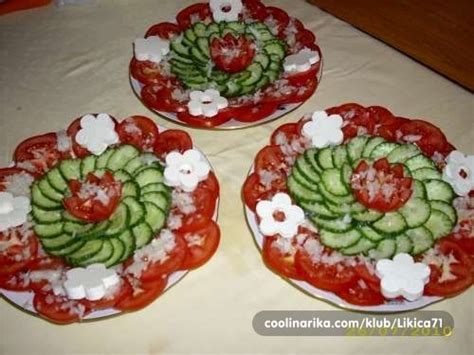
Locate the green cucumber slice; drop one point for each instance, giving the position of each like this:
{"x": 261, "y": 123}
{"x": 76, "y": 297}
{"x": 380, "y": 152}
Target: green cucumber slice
{"x": 426, "y": 174}
{"x": 306, "y": 170}
{"x": 119, "y": 221}
{"x": 340, "y": 156}
{"x": 332, "y": 225}
{"x": 403, "y": 153}
{"x": 362, "y": 246}
{"x": 156, "y": 187}
{"x": 256, "y": 71}
{"x": 355, "y": 147}
{"x": 87, "y": 251}
{"x": 391, "y": 223}
{"x": 416, "y": 212}
{"x": 48, "y": 230}
{"x": 149, "y": 176}
{"x": 39, "y": 199}
{"x": 104, "y": 254}
{"x": 88, "y": 165}
{"x": 385, "y": 249}
{"x": 155, "y": 216}
{"x": 119, "y": 250}
{"x": 128, "y": 240}
{"x": 370, "y": 145}
{"x": 300, "y": 192}
{"x": 383, "y": 149}
{"x": 121, "y": 157}
{"x": 367, "y": 216}
{"x": 325, "y": 158}
{"x": 59, "y": 242}
{"x": 419, "y": 161}
{"x": 136, "y": 208}
{"x": 439, "y": 224}
{"x": 439, "y": 190}
{"x": 143, "y": 234}
{"x": 332, "y": 181}
{"x": 103, "y": 159}
{"x": 45, "y": 217}
{"x": 340, "y": 240}
{"x": 421, "y": 238}
{"x": 70, "y": 169}
{"x": 49, "y": 191}
{"x": 57, "y": 181}
{"x": 370, "y": 233}
{"x": 446, "y": 208}
{"x": 404, "y": 244}
{"x": 318, "y": 209}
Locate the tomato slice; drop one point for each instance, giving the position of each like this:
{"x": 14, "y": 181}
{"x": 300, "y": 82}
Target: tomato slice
{"x": 256, "y": 112}
{"x": 159, "y": 97}
{"x": 199, "y": 11}
{"x": 39, "y": 153}
{"x": 149, "y": 73}
{"x": 19, "y": 253}
{"x": 253, "y": 191}
{"x": 232, "y": 54}
{"x": 305, "y": 38}
{"x": 123, "y": 291}
{"x": 304, "y": 92}
{"x": 138, "y": 131}
{"x": 59, "y": 309}
{"x": 201, "y": 121}
{"x": 461, "y": 268}
{"x": 299, "y": 79}
{"x": 278, "y": 261}
{"x": 270, "y": 158}
{"x": 158, "y": 270}
{"x": 211, "y": 183}
{"x": 143, "y": 294}
{"x": 431, "y": 138}
{"x": 205, "y": 202}
{"x": 164, "y": 30}
{"x": 289, "y": 130}
{"x": 361, "y": 294}
{"x": 327, "y": 277}
{"x": 253, "y": 9}
{"x": 202, "y": 243}
{"x": 172, "y": 140}
{"x": 280, "y": 17}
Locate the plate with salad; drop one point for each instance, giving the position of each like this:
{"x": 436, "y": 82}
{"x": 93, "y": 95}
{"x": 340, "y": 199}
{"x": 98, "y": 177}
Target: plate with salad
{"x": 364, "y": 209}
{"x": 226, "y": 64}
{"x": 103, "y": 217}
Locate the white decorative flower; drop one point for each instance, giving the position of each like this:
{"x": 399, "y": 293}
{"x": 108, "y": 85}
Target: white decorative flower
{"x": 152, "y": 48}
{"x": 13, "y": 210}
{"x": 402, "y": 277}
{"x": 206, "y": 103}
{"x": 459, "y": 172}
{"x": 225, "y": 10}
{"x": 324, "y": 130}
{"x": 91, "y": 283}
{"x": 185, "y": 170}
{"x": 97, "y": 133}
{"x": 301, "y": 61}
{"x": 279, "y": 216}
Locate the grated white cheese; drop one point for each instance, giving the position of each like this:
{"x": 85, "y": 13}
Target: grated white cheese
{"x": 194, "y": 240}
{"x": 434, "y": 257}
{"x": 183, "y": 201}
{"x": 64, "y": 143}
{"x": 267, "y": 178}
{"x": 174, "y": 221}
{"x": 411, "y": 138}
{"x": 18, "y": 184}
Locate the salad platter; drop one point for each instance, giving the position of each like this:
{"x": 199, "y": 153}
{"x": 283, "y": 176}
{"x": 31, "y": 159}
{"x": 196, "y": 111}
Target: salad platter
{"x": 364, "y": 209}
{"x": 103, "y": 217}
{"x": 226, "y": 64}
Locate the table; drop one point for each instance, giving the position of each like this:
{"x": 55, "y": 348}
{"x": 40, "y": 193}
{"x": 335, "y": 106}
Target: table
{"x": 59, "y": 63}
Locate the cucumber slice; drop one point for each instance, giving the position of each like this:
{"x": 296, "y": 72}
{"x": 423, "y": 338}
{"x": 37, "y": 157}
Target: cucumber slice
{"x": 419, "y": 190}
{"x": 305, "y": 170}
{"x": 37, "y": 198}
{"x": 303, "y": 181}
{"x": 156, "y": 188}
{"x": 198, "y": 56}
{"x": 122, "y": 176}
{"x": 62, "y": 241}
{"x": 340, "y": 156}
{"x": 70, "y": 169}
{"x": 137, "y": 210}
{"x": 69, "y": 249}
{"x": 133, "y": 165}
{"x": 416, "y": 212}
{"x": 301, "y": 193}
{"x": 385, "y": 249}
{"x": 212, "y": 28}
{"x": 88, "y": 165}
{"x": 370, "y": 145}
{"x": 119, "y": 221}
{"x": 318, "y": 209}
{"x": 383, "y": 149}
{"x": 236, "y": 26}
{"x": 155, "y": 216}
{"x": 325, "y": 158}
{"x": 403, "y": 153}
{"x": 190, "y": 35}
{"x": 200, "y": 29}
{"x": 178, "y": 47}
{"x": 355, "y": 147}
{"x": 419, "y": 161}
{"x": 340, "y": 240}
{"x": 367, "y": 216}
{"x": 439, "y": 224}
{"x": 57, "y": 181}
{"x": 77, "y": 228}
{"x": 426, "y": 174}
{"x": 332, "y": 181}
{"x": 130, "y": 188}
{"x": 334, "y": 198}
{"x": 339, "y": 209}
{"x": 119, "y": 250}
{"x": 102, "y": 256}
{"x": 311, "y": 156}
{"x": 143, "y": 234}
{"x": 232, "y": 88}
{"x": 404, "y": 244}
{"x": 96, "y": 232}
{"x": 44, "y": 216}
{"x": 48, "y": 230}
{"x": 262, "y": 59}
{"x": 439, "y": 190}
{"x": 362, "y": 246}
{"x": 49, "y": 191}
{"x": 121, "y": 157}
{"x": 332, "y": 225}
{"x": 203, "y": 45}
{"x": 128, "y": 241}
{"x": 87, "y": 251}
{"x": 446, "y": 208}
{"x": 67, "y": 217}
{"x": 262, "y": 83}
{"x": 371, "y": 234}
{"x": 256, "y": 71}
{"x": 149, "y": 176}
{"x": 275, "y": 47}
{"x": 391, "y": 223}
{"x": 421, "y": 238}
{"x": 103, "y": 159}
{"x": 346, "y": 174}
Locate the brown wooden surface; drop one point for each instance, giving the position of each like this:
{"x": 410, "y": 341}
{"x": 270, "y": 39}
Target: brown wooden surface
{"x": 438, "y": 33}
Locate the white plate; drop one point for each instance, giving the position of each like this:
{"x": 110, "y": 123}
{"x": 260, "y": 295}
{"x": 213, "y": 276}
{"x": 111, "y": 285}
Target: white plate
{"x": 24, "y": 300}
{"x": 388, "y": 307}
{"x": 231, "y": 124}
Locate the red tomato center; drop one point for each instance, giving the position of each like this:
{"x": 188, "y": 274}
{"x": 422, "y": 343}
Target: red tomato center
{"x": 232, "y": 54}
{"x": 381, "y": 186}
{"x": 279, "y": 216}
{"x": 95, "y": 199}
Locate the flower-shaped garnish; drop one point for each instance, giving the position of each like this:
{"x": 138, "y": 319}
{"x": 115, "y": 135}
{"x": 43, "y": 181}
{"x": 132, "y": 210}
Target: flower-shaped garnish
{"x": 459, "y": 172}
{"x": 206, "y": 103}
{"x": 13, "y": 210}
{"x": 301, "y": 61}
{"x": 402, "y": 277}
{"x": 225, "y": 10}
{"x": 91, "y": 283}
{"x": 279, "y": 216}
{"x": 97, "y": 133}
{"x": 185, "y": 170}
{"x": 324, "y": 130}
{"x": 152, "y": 48}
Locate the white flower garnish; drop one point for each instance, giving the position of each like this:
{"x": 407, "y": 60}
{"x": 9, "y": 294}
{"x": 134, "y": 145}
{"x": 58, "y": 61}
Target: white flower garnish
{"x": 13, "y": 210}
{"x": 152, "y": 48}
{"x": 206, "y": 103}
{"x": 91, "y": 283}
{"x": 324, "y": 130}
{"x": 185, "y": 170}
{"x": 301, "y": 61}
{"x": 459, "y": 172}
{"x": 402, "y": 277}
{"x": 279, "y": 216}
{"x": 97, "y": 133}
{"x": 225, "y": 10}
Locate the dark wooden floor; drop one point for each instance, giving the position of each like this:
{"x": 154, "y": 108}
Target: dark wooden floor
{"x": 438, "y": 33}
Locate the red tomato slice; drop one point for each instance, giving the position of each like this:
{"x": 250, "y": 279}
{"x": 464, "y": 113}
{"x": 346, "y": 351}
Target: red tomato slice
{"x": 211, "y": 183}
{"x": 201, "y": 121}
{"x": 361, "y": 294}
{"x": 158, "y": 270}
{"x": 256, "y": 112}
{"x": 172, "y": 140}
{"x": 253, "y": 191}
{"x": 41, "y": 152}
{"x": 461, "y": 269}
{"x": 139, "y": 131}
{"x": 58, "y": 309}
{"x": 253, "y": 9}
{"x": 304, "y": 92}
{"x": 281, "y": 17}
{"x": 324, "y": 276}
{"x": 279, "y": 262}
{"x": 144, "y": 293}
{"x": 200, "y": 11}
{"x": 306, "y": 38}
{"x": 432, "y": 139}
{"x": 270, "y": 158}
{"x": 159, "y": 97}
{"x": 72, "y": 130}
{"x": 199, "y": 251}
{"x": 231, "y": 54}
{"x": 205, "y": 202}
{"x": 149, "y": 73}
{"x": 19, "y": 255}
{"x": 289, "y": 130}
{"x": 164, "y": 30}
{"x": 300, "y": 79}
